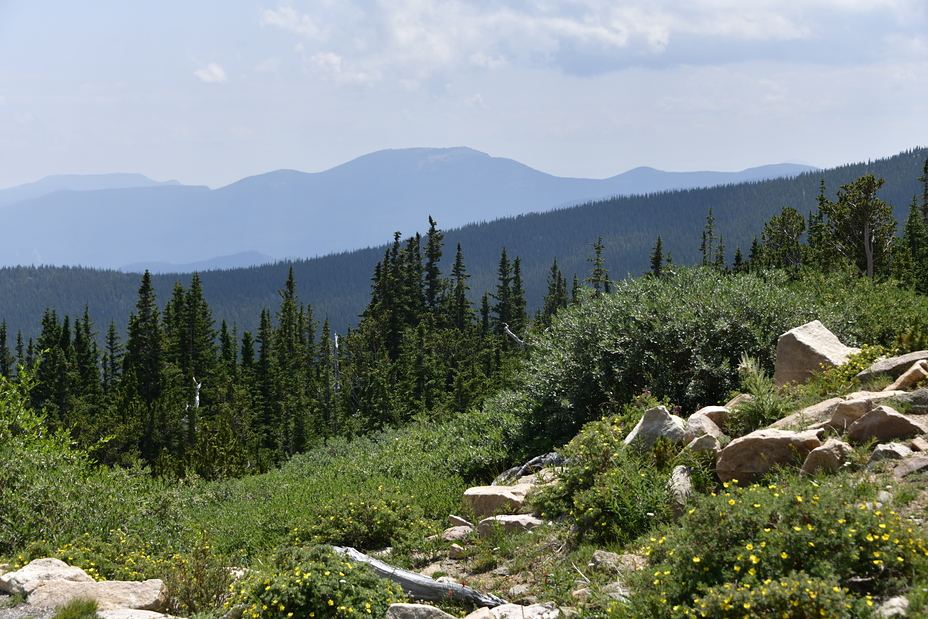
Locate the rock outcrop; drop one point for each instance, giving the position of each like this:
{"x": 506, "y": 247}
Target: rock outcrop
{"x": 656, "y": 422}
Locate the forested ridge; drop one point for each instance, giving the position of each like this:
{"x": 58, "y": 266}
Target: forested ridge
{"x": 337, "y": 285}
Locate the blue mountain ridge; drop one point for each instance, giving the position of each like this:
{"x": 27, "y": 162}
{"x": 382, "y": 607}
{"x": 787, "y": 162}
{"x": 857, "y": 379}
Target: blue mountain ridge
{"x": 358, "y": 204}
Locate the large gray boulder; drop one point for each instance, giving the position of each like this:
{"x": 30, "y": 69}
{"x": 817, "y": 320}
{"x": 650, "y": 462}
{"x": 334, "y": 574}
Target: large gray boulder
{"x": 109, "y": 594}
{"x": 806, "y": 349}
{"x": 751, "y": 456}
{"x": 894, "y": 366}
{"x": 885, "y": 424}
{"x": 655, "y": 423}
{"x": 703, "y": 422}
{"x": 918, "y": 372}
{"x": 916, "y": 401}
{"x": 27, "y": 578}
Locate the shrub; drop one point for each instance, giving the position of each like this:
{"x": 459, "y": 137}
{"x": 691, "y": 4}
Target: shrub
{"x": 314, "y": 583}
{"x": 607, "y": 491}
{"x": 680, "y": 338}
{"x": 748, "y": 538}
{"x": 766, "y": 405}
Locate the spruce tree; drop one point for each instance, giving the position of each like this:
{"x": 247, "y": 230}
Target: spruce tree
{"x": 599, "y": 275}
{"x": 657, "y": 257}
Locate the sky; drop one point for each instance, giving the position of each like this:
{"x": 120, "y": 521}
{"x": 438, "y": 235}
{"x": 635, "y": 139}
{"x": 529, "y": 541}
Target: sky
{"x": 207, "y": 92}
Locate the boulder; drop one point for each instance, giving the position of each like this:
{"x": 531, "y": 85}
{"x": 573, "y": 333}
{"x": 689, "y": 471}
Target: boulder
{"x": 27, "y": 578}
{"x": 885, "y": 424}
{"x": 915, "y": 374}
{"x": 894, "y": 366}
{"x": 456, "y": 534}
{"x": 806, "y": 349}
{"x": 918, "y": 444}
{"x": 844, "y": 414}
{"x": 809, "y": 415}
{"x": 718, "y": 414}
{"x": 910, "y": 465}
{"x": 455, "y": 551}
{"x": 490, "y": 500}
{"x": 481, "y": 613}
{"x": 705, "y": 443}
{"x": 109, "y": 594}
{"x": 700, "y": 425}
{"x": 681, "y": 488}
{"x": 655, "y": 423}
{"x": 535, "y": 611}
{"x": 457, "y": 521}
{"x": 889, "y": 451}
{"x": 897, "y": 606}
{"x": 741, "y": 398}
{"x": 415, "y": 611}
{"x": 829, "y": 456}
{"x": 510, "y": 524}
{"x": 916, "y": 401}
{"x": 753, "y": 455}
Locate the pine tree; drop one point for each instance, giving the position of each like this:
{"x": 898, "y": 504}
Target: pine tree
{"x": 503, "y": 309}
{"x": 859, "y": 227}
{"x": 112, "y": 359}
{"x": 6, "y": 359}
{"x": 657, "y": 257}
{"x": 461, "y": 312}
{"x": 599, "y": 275}
{"x": 143, "y": 364}
{"x": 556, "y": 299}
{"x": 434, "y": 284}
{"x": 737, "y": 265}
{"x": 707, "y": 245}
{"x": 781, "y": 240}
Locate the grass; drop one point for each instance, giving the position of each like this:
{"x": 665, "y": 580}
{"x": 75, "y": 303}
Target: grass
{"x": 78, "y": 608}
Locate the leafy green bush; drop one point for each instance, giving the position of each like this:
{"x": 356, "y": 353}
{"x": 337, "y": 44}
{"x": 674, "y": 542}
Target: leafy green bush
{"x": 314, "y": 583}
{"x": 749, "y": 538}
{"x": 680, "y": 338}
{"x": 609, "y": 492}
{"x": 367, "y": 522}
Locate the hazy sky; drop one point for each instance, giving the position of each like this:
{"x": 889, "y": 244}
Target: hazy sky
{"x": 210, "y": 91}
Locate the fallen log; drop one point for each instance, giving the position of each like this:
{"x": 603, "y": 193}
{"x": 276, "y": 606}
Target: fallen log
{"x": 421, "y": 587}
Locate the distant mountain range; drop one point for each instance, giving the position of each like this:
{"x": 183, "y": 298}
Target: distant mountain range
{"x": 129, "y": 222}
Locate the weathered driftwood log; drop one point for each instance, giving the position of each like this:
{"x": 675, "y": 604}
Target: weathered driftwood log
{"x": 421, "y": 587}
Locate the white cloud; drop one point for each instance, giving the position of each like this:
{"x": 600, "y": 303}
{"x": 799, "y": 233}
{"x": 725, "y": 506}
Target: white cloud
{"x": 212, "y": 74}
{"x": 23, "y": 119}
{"x": 416, "y": 39}
{"x": 475, "y": 101}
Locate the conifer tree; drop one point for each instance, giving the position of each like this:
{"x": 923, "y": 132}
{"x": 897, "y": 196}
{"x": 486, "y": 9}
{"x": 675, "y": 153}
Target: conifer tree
{"x": 434, "y": 285}
{"x": 657, "y": 257}
{"x": 112, "y": 359}
{"x": 556, "y": 299}
{"x": 6, "y": 358}
{"x": 707, "y": 245}
{"x": 599, "y": 275}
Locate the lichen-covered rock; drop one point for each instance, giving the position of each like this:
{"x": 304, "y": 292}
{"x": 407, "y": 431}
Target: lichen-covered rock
{"x": 416, "y": 611}
{"x": 915, "y": 374}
